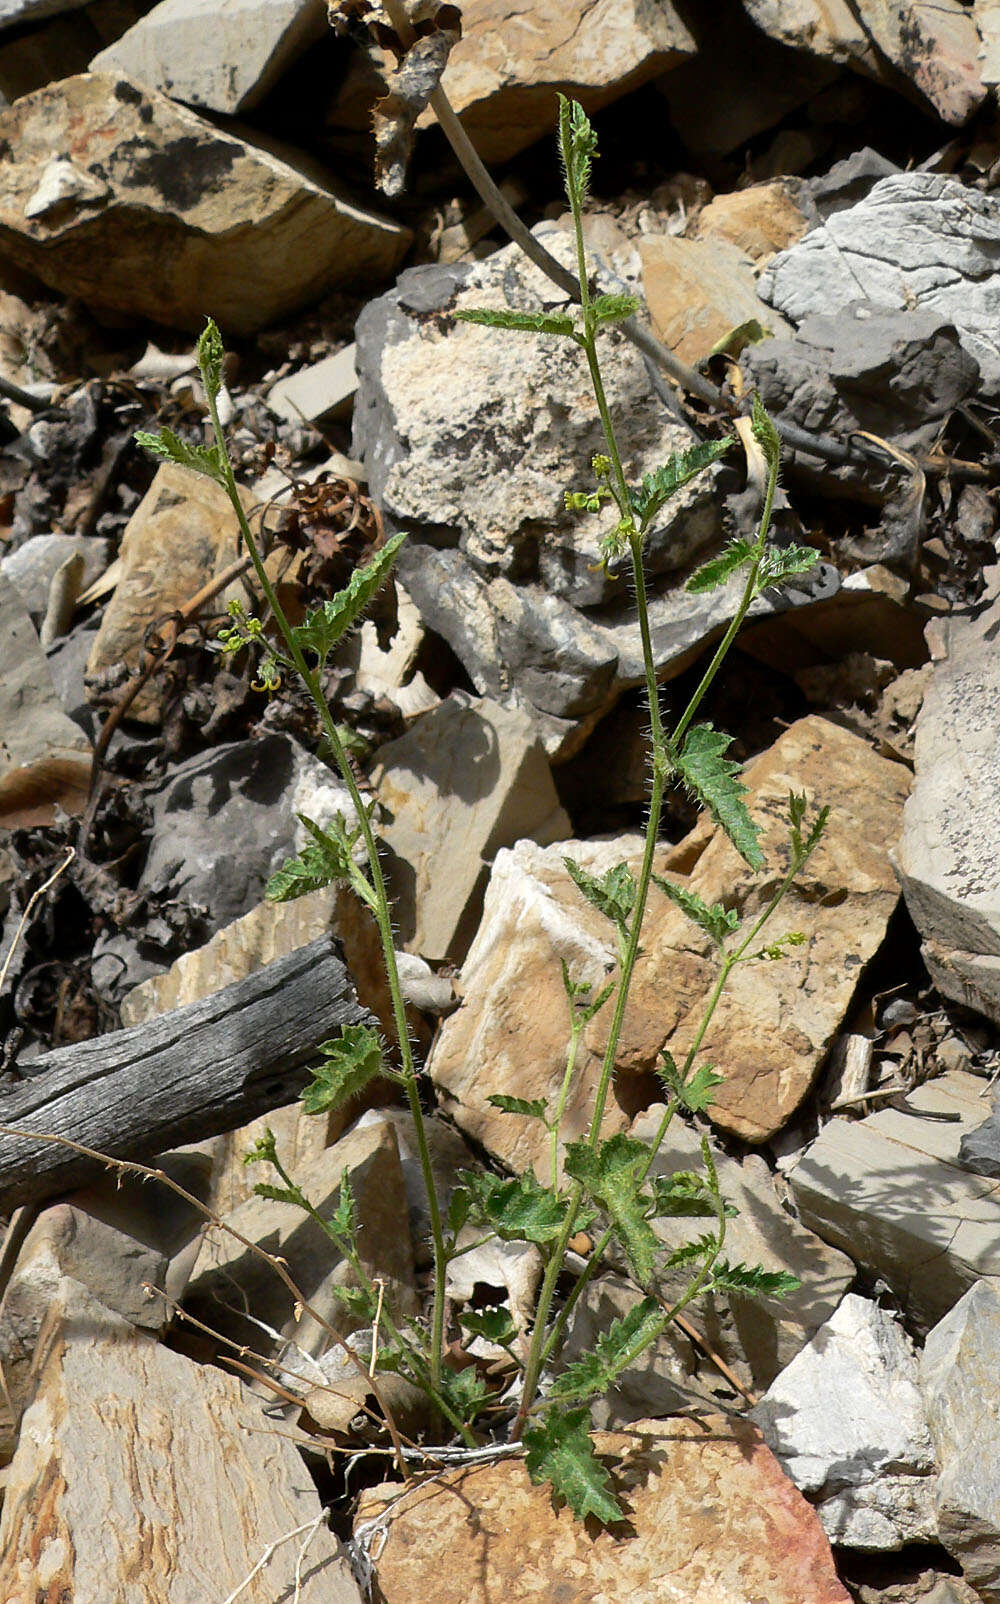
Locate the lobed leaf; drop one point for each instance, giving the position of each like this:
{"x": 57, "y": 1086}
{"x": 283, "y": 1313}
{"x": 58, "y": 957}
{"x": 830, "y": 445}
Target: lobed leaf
{"x": 697, "y": 1092}
{"x": 765, "y": 433}
{"x": 322, "y": 628}
{"x": 658, "y": 486}
{"x": 752, "y": 1281}
{"x": 211, "y": 355}
{"x": 325, "y": 861}
{"x": 518, "y": 1208}
{"x": 560, "y": 1452}
{"x": 349, "y": 1063}
{"x": 561, "y": 323}
{"x": 716, "y": 921}
{"x": 781, "y": 563}
{"x": 613, "y": 894}
{"x": 682, "y": 1202}
{"x": 494, "y": 1325}
{"x": 613, "y": 1351}
{"x": 531, "y": 1108}
{"x": 577, "y": 149}
{"x": 712, "y": 778}
{"x": 612, "y": 1176}
{"x": 718, "y": 569}
{"x": 169, "y": 447}
{"x": 466, "y": 1391}
{"x": 614, "y": 308}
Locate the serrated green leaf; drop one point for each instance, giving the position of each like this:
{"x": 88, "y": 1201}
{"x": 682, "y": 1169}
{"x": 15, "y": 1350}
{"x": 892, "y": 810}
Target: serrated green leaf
{"x": 344, "y": 1219}
{"x": 327, "y": 860}
{"x": 781, "y": 563}
{"x": 277, "y": 1194}
{"x": 531, "y": 1108}
{"x": 577, "y": 149}
{"x": 613, "y": 894}
{"x": 613, "y": 1351}
{"x": 614, "y": 308}
{"x": 657, "y": 487}
{"x": 712, "y": 778}
{"x": 716, "y": 921}
{"x": 211, "y": 355}
{"x": 751, "y": 1281}
{"x": 612, "y": 1176}
{"x": 169, "y": 447}
{"x": 322, "y": 628}
{"x": 466, "y": 1392}
{"x": 559, "y": 323}
{"x": 459, "y": 1209}
{"x": 560, "y": 1452}
{"x": 697, "y": 1092}
{"x": 349, "y": 1062}
{"x": 688, "y": 1252}
{"x": 362, "y": 1303}
{"x": 518, "y": 1209}
{"x": 765, "y": 433}
{"x": 673, "y": 1201}
{"x": 494, "y": 1325}
{"x": 714, "y": 573}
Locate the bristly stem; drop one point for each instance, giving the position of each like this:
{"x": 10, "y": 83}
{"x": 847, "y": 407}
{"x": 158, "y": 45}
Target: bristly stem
{"x": 381, "y": 907}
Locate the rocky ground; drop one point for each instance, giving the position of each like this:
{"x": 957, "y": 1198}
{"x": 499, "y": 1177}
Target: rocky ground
{"x": 176, "y": 1425}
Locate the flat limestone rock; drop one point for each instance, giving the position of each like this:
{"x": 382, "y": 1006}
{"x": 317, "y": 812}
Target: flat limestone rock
{"x": 224, "y": 56}
{"x": 469, "y": 778}
{"x": 712, "y": 1521}
{"x": 890, "y": 1191}
{"x": 140, "y": 1473}
{"x": 159, "y": 214}
{"x": 915, "y": 241}
{"x": 45, "y": 758}
{"x": 503, "y": 74}
{"x": 847, "y": 1422}
{"x": 949, "y": 857}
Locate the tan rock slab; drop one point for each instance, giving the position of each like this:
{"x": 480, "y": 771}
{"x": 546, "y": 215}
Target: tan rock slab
{"x": 140, "y": 1474}
{"x": 699, "y": 290}
{"x": 45, "y": 758}
{"x": 469, "y": 778}
{"x": 758, "y": 221}
{"x": 514, "y": 54}
{"x": 114, "y": 194}
{"x": 713, "y": 1520}
{"x": 889, "y": 1190}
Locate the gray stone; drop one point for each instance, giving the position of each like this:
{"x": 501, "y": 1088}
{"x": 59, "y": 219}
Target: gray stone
{"x": 979, "y": 1151}
{"x": 14, "y": 13}
{"x": 766, "y": 1332}
{"x": 949, "y": 857}
{"x": 222, "y": 823}
{"x": 846, "y": 1420}
{"x": 958, "y": 1374}
{"x": 323, "y": 390}
{"x": 185, "y": 215}
{"x": 916, "y": 241}
{"x": 223, "y": 56}
{"x": 846, "y": 183}
{"x": 33, "y": 566}
{"x": 45, "y": 758}
{"x": 469, "y": 778}
{"x": 471, "y": 436}
{"x": 891, "y": 1191}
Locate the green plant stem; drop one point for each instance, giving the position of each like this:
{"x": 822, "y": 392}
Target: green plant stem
{"x": 313, "y": 683}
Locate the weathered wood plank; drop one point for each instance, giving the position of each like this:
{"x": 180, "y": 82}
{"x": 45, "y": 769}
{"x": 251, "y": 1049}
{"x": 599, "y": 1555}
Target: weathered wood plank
{"x": 186, "y": 1075}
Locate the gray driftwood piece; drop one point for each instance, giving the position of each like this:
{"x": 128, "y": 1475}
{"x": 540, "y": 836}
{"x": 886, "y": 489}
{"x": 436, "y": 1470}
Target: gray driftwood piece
{"x": 186, "y": 1075}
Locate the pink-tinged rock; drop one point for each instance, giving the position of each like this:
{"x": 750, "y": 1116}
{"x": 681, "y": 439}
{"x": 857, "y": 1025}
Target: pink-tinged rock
{"x": 712, "y": 1520}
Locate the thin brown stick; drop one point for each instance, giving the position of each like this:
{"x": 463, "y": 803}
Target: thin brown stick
{"x": 717, "y": 1359}
{"x": 35, "y": 897}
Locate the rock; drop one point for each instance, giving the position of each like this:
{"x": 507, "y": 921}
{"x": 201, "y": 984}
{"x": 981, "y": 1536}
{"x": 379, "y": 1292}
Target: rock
{"x": 661, "y": 1382}
{"x": 150, "y": 1460}
{"x": 448, "y": 1154}
{"x": 934, "y": 46}
{"x": 170, "y": 215}
{"x": 224, "y": 57}
{"x": 504, "y": 72}
{"x": 890, "y": 1191}
{"x": 916, "y": 242}
{"x": 245, "y": 791}
{"x": 182, "y": 534}
{"x": 14, "y": 13}
{"x": 765, "y": 1332}
{"x": 708, "y": 1509}
{"x": 775, "y": 1022}
{"x": 948, "y": 857}
{"x": 33, "y": 567}
{"x": 846, "y": 1421}
{"x": 471, "y": 436}
{"x": 959, "y": 1381}
{"x": 322, "y": 391}
{"x": 738, "y": 85}
{"x": 846, "y": 183}
{"x": 758, "y": 221}
{"x": 59, "y": 46}
{"x": 512, "y": 1031}
{"x": 979, "y": 1152}
{"x": 391, "y": 675}
{"x": 869, "y": 612}
{"x": 45, "y": 759}
{"x": 988, "y": 23}
{"x": 697, "y": 292}
{"x": 468, "y": 779}
{"x": 496, "y": 1275}
{"x": 229, "y": 1278}
{"x": 116, "y": 1238}
{"x": 899, "y": 375}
